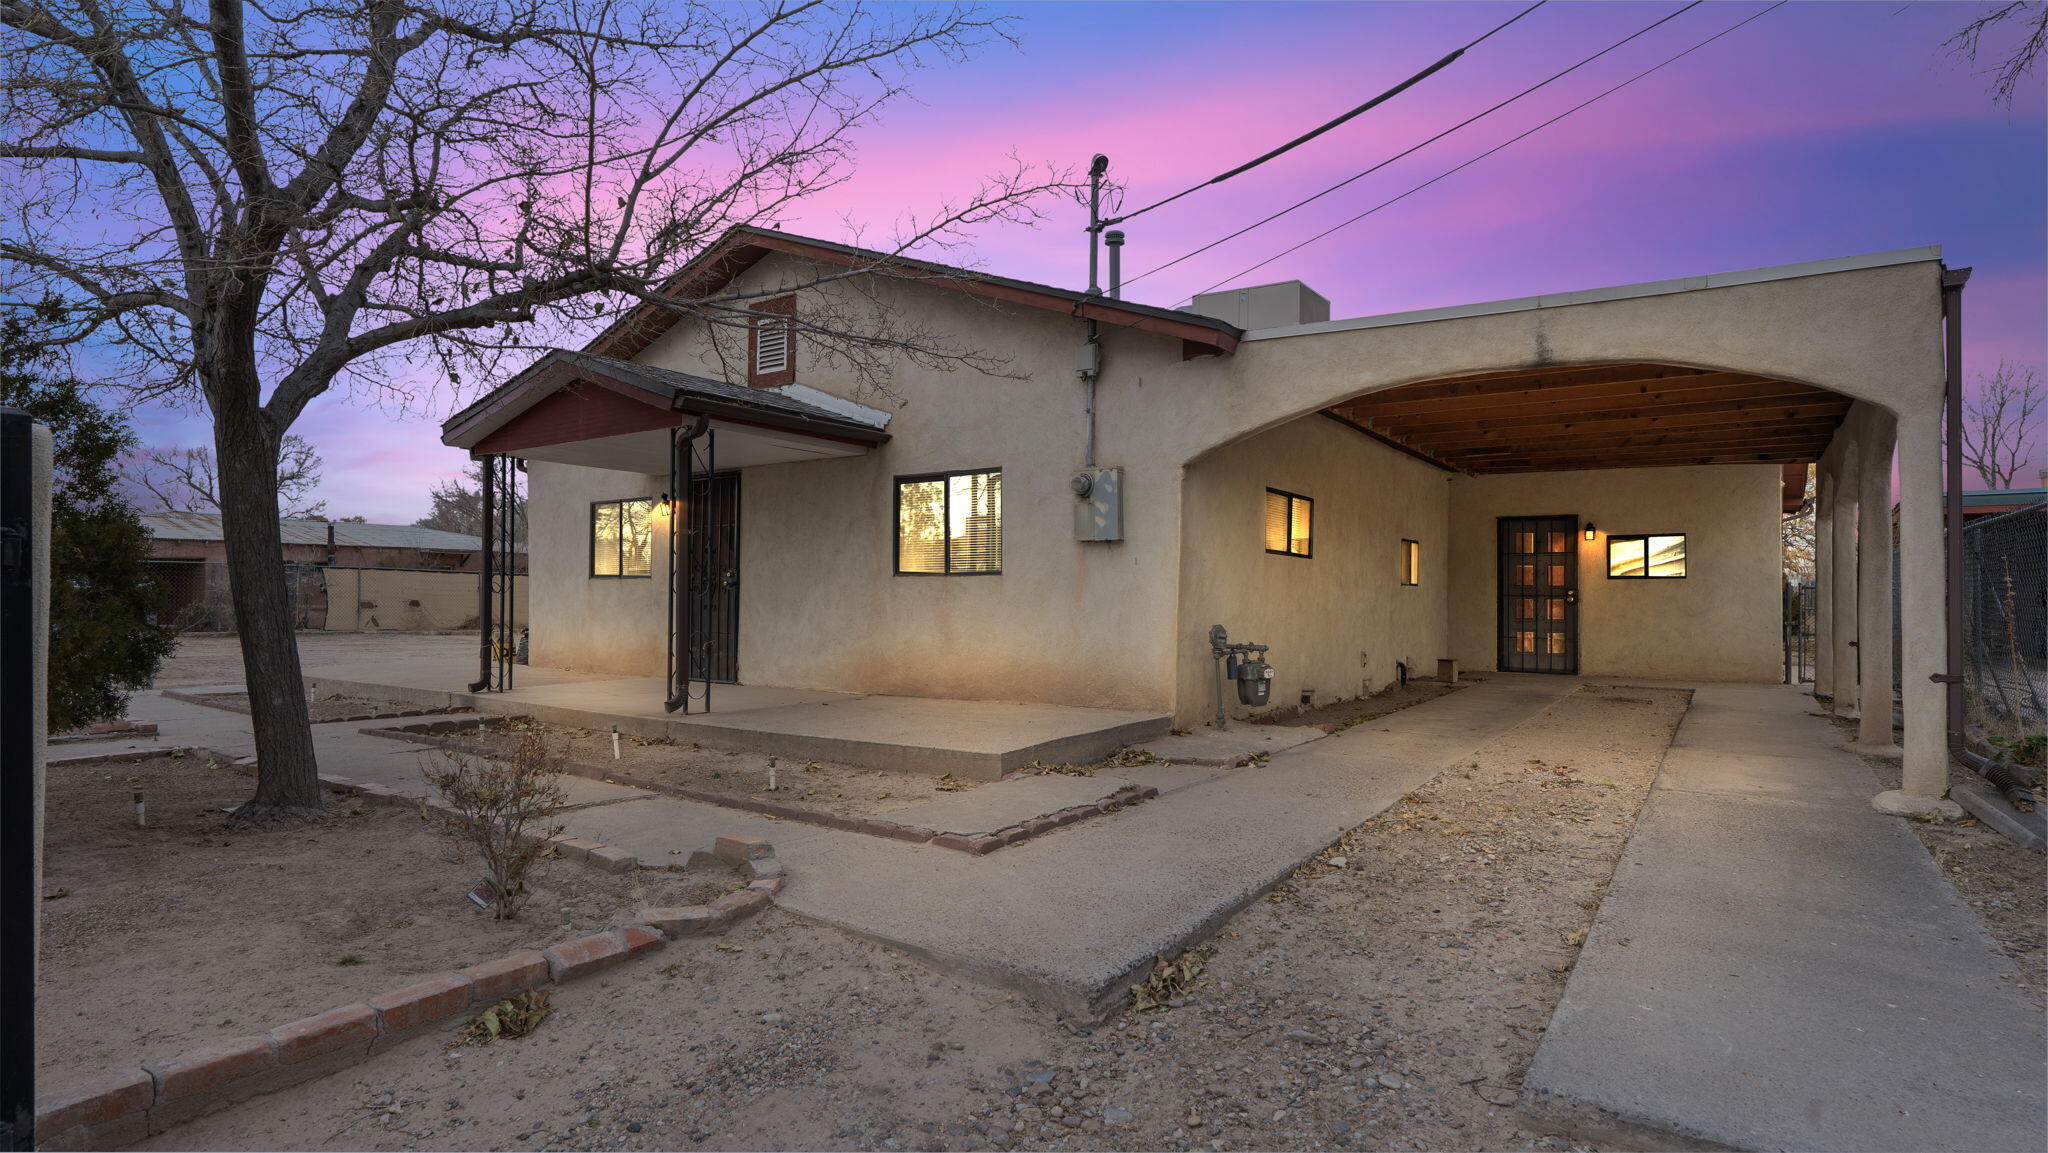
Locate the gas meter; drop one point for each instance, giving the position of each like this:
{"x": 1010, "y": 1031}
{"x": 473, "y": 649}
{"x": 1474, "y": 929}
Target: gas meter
{"x": 1243, "y": 663}
{"x": 1254, "y": 681}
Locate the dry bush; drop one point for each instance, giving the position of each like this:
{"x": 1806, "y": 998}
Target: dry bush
{"x": 499, "y": 811}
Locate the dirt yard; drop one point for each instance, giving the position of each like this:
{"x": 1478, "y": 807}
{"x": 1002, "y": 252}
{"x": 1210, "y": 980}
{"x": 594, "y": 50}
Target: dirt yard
{"x": 828, "y": 786}
{"x": 1388, "y": 996}
{"x": 157, "y": 939}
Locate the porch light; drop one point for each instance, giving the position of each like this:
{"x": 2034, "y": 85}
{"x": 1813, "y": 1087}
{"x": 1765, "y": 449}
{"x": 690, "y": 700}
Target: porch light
{"x": 1589, "y": 530}
{"x": 663, "y": 508}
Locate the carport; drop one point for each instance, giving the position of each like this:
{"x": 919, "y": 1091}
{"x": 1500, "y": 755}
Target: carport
{"x": 1694, "y": 385}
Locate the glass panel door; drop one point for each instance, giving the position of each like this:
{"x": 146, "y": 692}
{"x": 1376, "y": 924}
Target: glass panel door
{"x": 1539, "y": 613}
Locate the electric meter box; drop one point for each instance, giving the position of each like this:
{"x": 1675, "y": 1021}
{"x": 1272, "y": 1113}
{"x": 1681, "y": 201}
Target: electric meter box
{"x": 1098, "y": 504}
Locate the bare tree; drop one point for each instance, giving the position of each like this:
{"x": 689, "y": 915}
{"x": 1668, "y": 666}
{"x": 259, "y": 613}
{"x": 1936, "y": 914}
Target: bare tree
{"x": 256, "y": 203}
{"x": 185, "y": 480}
{"x": 2011, "y": 66}
{"x": 458, "y": 505}
{"x": 1797, "y": 531}
{"x": 2000, "y": 423}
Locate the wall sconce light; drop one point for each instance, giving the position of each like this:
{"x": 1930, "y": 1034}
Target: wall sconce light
{"x": 664, "y": 508}
{"x": 1589, "y": 530}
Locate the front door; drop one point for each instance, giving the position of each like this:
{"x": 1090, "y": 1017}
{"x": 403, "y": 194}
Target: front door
{"x": 1539, "y": 594}
{"x": 714, "y": 543}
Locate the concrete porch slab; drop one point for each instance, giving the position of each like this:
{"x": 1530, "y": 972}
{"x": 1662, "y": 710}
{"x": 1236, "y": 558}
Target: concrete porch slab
{"x": 980, "y": 740}
{"x": 1006, "y": 803}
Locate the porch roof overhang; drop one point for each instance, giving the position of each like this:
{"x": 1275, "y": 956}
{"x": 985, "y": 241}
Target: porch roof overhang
{"x": 1603, "y": 416}
{"x": 601, "y": 412}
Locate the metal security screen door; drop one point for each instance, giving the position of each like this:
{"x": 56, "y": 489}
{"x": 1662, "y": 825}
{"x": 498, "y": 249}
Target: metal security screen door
{"x": 1539, "y": 594}
{"x": 714, "y": 543}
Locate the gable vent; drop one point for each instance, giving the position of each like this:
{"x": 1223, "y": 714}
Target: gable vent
{"x": 771, "y": 347}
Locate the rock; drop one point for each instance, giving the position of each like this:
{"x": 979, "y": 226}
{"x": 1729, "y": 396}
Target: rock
{"x": 772, "y": 1018}
{"x": 1340, "y": 1128}
{"x": 1306, "y": 1037}
{"x": 1339, "y": 862}
{"x": 1390, "y": 1081}
{"x": 1116, "y": 1116}
{"x": 632, "y": 1126}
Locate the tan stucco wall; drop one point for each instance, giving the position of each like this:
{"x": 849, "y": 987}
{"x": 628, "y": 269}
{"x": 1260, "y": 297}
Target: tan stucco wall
{"x": 820, "y": 604}
{"x": 604, "y": 625}
{"x": 1721, "y": 622}
{"x": 1338, "y": 620}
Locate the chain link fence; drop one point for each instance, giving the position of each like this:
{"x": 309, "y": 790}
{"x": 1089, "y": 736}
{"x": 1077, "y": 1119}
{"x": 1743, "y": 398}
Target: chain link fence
{"x": 336, "y": 599}
{"x": 2005, "y": 635}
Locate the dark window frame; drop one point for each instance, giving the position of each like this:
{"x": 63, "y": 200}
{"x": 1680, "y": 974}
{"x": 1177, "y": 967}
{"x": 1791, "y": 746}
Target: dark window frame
{"x": 1646, "y": 574}
{"x": 1405, "y": 543}
{"x": 896, "y": 523}
{"x": 591, "y": 572}
{"x": 1291, "y": 498}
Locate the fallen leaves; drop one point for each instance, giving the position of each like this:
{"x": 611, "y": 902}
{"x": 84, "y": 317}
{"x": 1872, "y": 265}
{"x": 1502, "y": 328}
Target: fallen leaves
{"x": 512, "y": 1017}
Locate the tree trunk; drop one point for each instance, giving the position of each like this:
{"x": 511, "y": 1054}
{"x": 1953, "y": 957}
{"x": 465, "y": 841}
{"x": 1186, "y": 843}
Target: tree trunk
{"x": 246, "y": 449}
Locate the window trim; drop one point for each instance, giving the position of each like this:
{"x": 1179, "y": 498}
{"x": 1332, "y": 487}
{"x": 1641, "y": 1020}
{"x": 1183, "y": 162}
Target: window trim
{"x": 1291, "y": 498}
{"x": 1406, "y": 543}
{"x": 590, "y": 565}
{"x": 1646, "y": 574}
{"x": 896, "y": 523}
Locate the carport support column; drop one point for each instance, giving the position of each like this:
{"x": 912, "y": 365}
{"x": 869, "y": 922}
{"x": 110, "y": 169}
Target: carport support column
{"x": 1843, "y": 552}
{"x": 1923, "y": 617}
{"x": 1824, "y": 490}
{"x": 1874, "y": 585}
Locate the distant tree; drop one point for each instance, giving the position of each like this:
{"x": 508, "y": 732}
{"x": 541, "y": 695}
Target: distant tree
{"x": 2012, "y": 65}
{"x": 106, "y": 635}
{"x": 458, "y": 504}
{"x": 1798, "y": 530}
{"x": 2000, "y": 423}
{"x": 185, "y": 479}
{"x": 352, "y": 520}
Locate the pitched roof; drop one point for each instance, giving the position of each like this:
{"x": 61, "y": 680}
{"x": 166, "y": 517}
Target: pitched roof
{"x": 746, "y": 245}
{"x": 680, "y": 390}
{"x": 206, "y": 526}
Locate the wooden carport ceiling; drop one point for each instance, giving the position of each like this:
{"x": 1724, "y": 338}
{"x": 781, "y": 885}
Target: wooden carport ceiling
{"x": 1601, "y": 416}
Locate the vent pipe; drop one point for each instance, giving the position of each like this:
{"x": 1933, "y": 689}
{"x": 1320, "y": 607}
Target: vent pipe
{"x": 1114, "y": 238}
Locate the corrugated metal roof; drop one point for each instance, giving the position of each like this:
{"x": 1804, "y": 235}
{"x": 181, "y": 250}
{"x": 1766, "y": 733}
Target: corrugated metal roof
{"x": 206, "y": 526}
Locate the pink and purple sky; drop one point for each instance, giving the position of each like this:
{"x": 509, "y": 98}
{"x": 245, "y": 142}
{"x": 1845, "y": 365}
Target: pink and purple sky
{"x": 1819, "y": 130}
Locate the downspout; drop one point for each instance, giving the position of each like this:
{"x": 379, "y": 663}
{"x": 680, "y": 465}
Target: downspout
{"x": 1999, "y": 774}
{"x": 483, "y": 585}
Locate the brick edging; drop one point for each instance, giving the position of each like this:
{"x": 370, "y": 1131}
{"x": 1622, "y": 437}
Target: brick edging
{"x": 978, "y": 845}
{"x": 382, "y": 715}
{"x": 124, "y": 1107}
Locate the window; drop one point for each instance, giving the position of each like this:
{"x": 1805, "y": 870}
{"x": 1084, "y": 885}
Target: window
{"x": 771, "y": 344}
{"x": 622, "y": 538}
{"x": 1411, "y": 562}
{"x": 1646, "y": 557}
{"x": 950, "y": 523}
{"x": 1287, "y": 523}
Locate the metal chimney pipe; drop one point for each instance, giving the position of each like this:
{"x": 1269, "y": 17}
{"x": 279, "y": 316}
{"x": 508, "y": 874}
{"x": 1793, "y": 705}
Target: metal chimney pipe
{"x": 1115, "y": 239}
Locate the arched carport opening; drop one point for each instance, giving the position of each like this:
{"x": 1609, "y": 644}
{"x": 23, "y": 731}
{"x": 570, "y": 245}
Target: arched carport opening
{"x": 1600, "y": 416}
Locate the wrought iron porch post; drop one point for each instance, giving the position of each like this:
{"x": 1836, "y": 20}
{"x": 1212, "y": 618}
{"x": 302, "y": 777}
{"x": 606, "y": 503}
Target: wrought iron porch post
{"x": 483, "y": 582}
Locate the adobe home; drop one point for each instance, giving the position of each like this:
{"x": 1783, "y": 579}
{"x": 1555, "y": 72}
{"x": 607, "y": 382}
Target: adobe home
{"x": 1589, "y": 483}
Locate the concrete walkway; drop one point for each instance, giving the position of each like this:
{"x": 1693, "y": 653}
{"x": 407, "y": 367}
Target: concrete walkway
{"x": 1777, "y": 966}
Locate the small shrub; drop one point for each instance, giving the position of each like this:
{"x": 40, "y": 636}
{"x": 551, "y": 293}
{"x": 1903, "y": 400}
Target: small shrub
{"x": 512, "y": 1017}
{"x": 349, "y": 959}
{"x": 500, "y": 812}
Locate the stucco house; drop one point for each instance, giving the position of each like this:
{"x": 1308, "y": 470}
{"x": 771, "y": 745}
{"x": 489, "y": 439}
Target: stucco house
{"x": 1589, "y": 483}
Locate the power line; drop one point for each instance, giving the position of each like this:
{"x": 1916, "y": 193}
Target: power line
{"x": 1411, "y": 151}
{"x": 1497, "y": 147}
{"x": 1298, "y": 141}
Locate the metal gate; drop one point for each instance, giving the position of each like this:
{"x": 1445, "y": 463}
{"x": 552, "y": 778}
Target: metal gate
{"x": 714, "y": 568}
{"x": 1539, "y": 594}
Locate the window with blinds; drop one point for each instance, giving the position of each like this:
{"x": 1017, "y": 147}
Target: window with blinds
{"x": 622, "y": 538}
{"x": 1632, "y": 557}
{"x": 1287, "y": 523}
{"x": 950, "y": 524}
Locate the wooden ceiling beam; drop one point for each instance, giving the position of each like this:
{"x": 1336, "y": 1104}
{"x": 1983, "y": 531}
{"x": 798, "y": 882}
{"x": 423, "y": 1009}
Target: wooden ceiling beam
{"x": 1590, "y": 463}
{"x": 1695, "y": 412}
{"x": 1639, "y": 375}
{"x": 1677, "y": 454}
{"x": 1522, "y": 437}
{"x": 1652, "y": 440}
{"x": 1578, "y": 397}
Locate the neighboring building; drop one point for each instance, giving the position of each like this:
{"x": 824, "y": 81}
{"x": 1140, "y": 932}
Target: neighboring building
{"x": 188, "y": 554}
{"x": 1996, "y": 501}
{"x": 1585, "y": 483}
